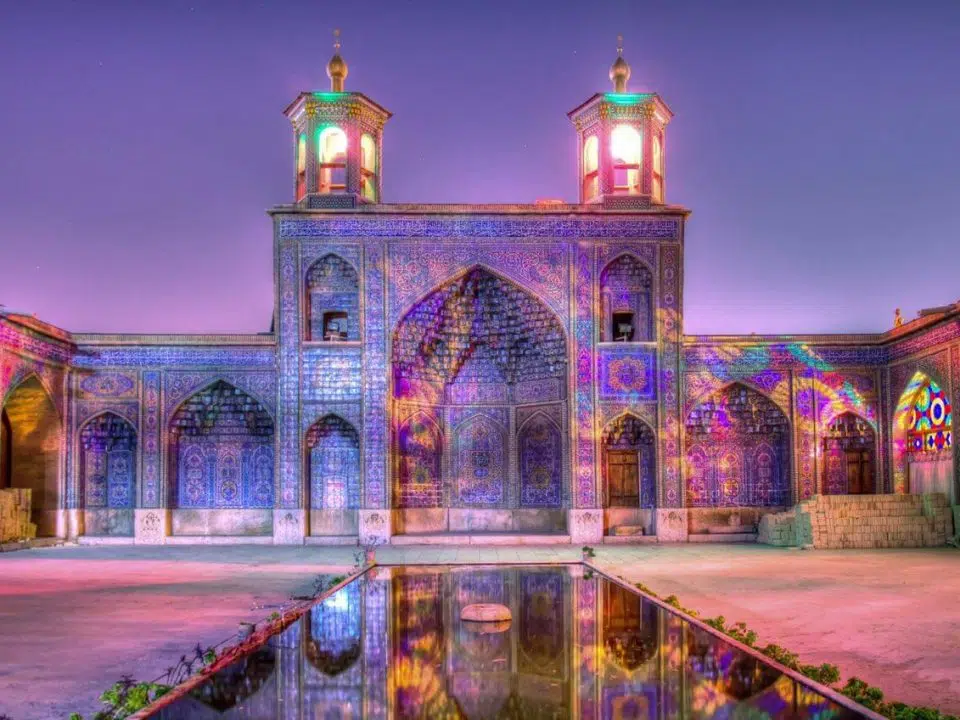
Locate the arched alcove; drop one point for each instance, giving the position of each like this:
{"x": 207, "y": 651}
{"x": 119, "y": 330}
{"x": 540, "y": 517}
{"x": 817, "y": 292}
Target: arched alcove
{"x": 332, "y": 471}
{"x": 923, "y": 439}
{"x": 221, "y": 459}
{"x": 108, "y": 474}
{"x": 333, "y": 300}
{"x": 479, "y": 386}
{"x": 30, "y": 440}
{"x": 849, "y": 449}
{"x": 626, "y": 287}
{"x": 738, "y": 451}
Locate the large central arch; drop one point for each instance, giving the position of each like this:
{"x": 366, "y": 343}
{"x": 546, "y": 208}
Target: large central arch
{"x": 479, "y": 440}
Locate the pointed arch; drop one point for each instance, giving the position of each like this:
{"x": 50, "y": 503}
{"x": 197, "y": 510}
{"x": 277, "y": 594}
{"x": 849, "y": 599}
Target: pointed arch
{"x": 332, "y": 294}
{"x": 628, "y": 462}
{"x": 479, "y": 339}
{"x": 333, "y": 630}
{"x": 539, "y": 446}
{"x": 848, "y": 451}
{"x": 31, "y": 436}
{"x": 480, "y": 463}
{"x": 108, "y": 467}
{"x": 626, "y": 300}
{"x": 419, "y": 452}
{"x": 333, "y": 464}
{"x": 923, "y": 438}
{"x": 221, "y": 450}
{"x": 738, "y": 450}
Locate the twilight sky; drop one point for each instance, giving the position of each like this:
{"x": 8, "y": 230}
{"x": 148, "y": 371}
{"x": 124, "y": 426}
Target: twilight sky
{"x": 817, "y": 143}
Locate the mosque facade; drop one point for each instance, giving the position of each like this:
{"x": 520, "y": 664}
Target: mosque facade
{"x": 497, "y": 372}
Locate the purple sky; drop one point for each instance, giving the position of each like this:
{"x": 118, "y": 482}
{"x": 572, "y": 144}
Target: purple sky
{"x": 817, "y": 143}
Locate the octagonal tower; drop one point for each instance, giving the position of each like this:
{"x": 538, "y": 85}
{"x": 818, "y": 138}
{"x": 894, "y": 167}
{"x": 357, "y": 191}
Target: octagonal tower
{"x": 622, "y": 144}
{"x": 337, "y": 143}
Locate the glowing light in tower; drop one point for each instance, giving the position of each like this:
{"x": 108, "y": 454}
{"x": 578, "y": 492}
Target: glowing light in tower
{"x": 625, "y": 145}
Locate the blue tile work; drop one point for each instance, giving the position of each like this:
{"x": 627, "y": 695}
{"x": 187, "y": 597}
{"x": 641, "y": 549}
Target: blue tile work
{"x": 108, "y": 452}
{"x": 222, "y": 450}
{"x": 334, "y": 456}
{"x": 541, "y": 471}
{"x": 627, "y": 372}
{"x": 491, "y": 227}
{"x": 331, "y": 374}
{"x": 375, "y": 380}
{"x": 169, "y": 357}
{"x": 288, "y": 357}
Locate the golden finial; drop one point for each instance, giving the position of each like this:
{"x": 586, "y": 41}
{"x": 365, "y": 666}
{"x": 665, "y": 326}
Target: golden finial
{"x": 336, "y": 68}
{"x": 620, "y": 70}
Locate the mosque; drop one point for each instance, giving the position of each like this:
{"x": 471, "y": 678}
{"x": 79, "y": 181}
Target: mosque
{"x": 474, "y": 373}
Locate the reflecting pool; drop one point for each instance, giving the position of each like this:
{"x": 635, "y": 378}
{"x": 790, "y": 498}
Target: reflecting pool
{"x": 391, "y": 644}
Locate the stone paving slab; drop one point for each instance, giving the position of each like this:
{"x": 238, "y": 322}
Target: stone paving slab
{"x": 74, "y": 619}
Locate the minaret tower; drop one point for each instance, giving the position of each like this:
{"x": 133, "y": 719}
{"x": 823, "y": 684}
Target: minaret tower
{"x": 622, "y": 143}
{"x": 337, "y": 143}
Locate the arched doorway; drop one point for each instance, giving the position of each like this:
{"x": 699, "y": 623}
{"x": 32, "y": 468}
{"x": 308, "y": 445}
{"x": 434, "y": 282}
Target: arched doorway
{"x": 738, "y": 451}
{"x": 30, "y": 440}
{"x": 479, "y": 418}
{"x": 628, "y": 468}
{"x": 221, "y": 464}
{"x": 333, "y": 472}
{"x": 108, "y": 455}
{"x": 849, "y": 456}
{"x": 923, "y": 439}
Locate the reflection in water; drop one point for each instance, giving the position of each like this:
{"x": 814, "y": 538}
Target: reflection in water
{"x": 392, "y": 645}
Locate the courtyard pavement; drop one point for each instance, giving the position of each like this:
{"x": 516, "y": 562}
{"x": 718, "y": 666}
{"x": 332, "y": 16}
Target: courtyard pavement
{"x": 74, "y": 619}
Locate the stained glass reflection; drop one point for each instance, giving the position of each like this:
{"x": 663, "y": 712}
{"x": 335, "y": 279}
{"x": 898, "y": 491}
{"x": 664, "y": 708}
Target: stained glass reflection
{"x": 392, "y": 644}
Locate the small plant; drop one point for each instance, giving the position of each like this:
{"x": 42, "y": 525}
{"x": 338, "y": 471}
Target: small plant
{"x": 644, "y": 589}
{"x": 274, "y": 616}
{"x": 588, "y": 552}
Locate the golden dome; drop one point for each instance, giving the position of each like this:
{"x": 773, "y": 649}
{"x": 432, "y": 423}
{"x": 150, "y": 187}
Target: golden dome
{"x": 620, "y": 70}
{"x": 337, "y": 67}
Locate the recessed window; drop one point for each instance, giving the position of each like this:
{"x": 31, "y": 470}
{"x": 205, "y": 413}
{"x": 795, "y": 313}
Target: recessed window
{"x": 301, "y": 167}
{"x": 334, "y": 326}
{"x": 591, "y": 167}
{"x": 658, "y": 167}
{"x": 626, "y": 147}
{"x": 368, "y": 167}
{"x": 332, "y": 154}
{"x": 623, "y": 328}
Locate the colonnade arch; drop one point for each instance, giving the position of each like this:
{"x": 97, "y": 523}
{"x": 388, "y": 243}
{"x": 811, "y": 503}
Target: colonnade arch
{"x": 30, "y": 444}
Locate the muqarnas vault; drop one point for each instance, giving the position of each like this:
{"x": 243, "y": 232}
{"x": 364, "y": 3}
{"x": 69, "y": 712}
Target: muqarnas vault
{"x": 485, "y": 370}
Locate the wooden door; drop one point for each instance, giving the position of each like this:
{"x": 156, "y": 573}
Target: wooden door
{"x": 859, "y": 472}
{"x": 623, "y": 478}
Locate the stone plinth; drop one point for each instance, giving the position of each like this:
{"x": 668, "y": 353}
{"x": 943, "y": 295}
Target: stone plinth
{"x": 289, "y": 526}
{"x": 375, "y": 527}
{"x": 151, "y": 526}
{"x": 672, "y": 525}
{"x": 585, "y": 526}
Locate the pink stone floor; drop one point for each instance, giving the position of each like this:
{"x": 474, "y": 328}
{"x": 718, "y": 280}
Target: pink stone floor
{"x": 74, "y": 619}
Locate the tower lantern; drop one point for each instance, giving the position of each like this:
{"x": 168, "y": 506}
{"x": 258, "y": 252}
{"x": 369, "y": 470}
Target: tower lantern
{"x": 622, "y": 143}
{"x": 338, "y": 142}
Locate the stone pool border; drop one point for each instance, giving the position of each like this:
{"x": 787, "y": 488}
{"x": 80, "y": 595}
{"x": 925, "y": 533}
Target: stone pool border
{"x": 246, "y": 646}
{"x": 827, "y": 692}
{"x": 262, "y": 636}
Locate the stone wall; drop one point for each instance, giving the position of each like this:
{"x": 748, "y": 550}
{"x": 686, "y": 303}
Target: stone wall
{"x": 862, "y": 521}
{"x": 15, "y": 515}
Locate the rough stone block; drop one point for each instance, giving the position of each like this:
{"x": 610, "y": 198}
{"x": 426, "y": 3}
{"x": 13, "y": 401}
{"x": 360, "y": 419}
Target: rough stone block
{"x": 375, "y": 527}
{"x": 288, "y": 526}
{"x": 586, "y": 526}
{"x": 151, "y": 526}
{"x": 672, "y": 525}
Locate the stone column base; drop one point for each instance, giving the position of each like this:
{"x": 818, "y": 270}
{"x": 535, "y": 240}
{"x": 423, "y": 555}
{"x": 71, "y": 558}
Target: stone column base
{"x": 74, "y": 523}
{"x": 375, "y": 527}
{"x": 672, "y": 525}
{"x": 585, "y": 526}
{"x": 151, "y": 526}
{"x": 289, "y": 526}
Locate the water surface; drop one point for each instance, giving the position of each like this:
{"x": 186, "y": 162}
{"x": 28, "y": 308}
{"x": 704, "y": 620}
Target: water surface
{"x": 391, "y": 644}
